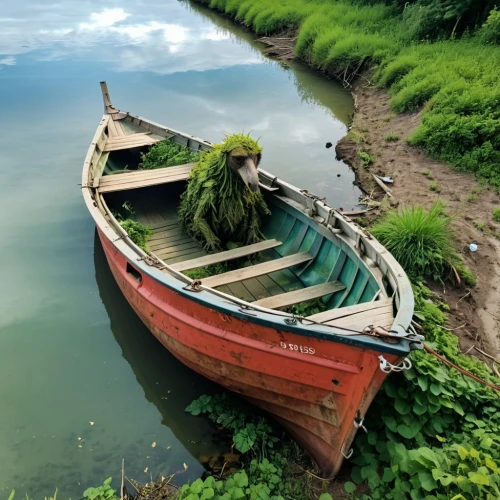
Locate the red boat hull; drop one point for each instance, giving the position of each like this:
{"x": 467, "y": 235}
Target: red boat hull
{"x": 315, "y": 388}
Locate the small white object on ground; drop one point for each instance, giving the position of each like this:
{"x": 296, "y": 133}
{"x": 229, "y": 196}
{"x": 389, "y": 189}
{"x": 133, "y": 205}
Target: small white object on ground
{"x": 473, "y": 247}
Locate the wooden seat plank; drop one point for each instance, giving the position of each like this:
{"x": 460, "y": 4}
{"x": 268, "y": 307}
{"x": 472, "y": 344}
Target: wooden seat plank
{"x": 384, "y": 320}
{"x": 137, "y": 175}
{"x": 257, "y": 270}
{"x": 122, "y": 182}
{"x": 362, "y": 316}
{"x": 341, "y": 312}
{"x": 297, "y": 296}
{"x": 236, "y": 253}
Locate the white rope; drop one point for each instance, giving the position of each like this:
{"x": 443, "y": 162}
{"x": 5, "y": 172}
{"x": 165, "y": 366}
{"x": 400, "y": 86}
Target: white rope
{"x": 387, "y": 367}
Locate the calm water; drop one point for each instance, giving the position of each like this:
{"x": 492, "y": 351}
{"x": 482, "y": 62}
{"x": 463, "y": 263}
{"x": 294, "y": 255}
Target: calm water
{"x": 71, "y": 350}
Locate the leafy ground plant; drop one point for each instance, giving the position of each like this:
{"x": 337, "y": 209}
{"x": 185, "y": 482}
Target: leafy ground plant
{"x": 391, "y": 137}
{"x": 366, "y": 158}
{"x": 496, "y": 214}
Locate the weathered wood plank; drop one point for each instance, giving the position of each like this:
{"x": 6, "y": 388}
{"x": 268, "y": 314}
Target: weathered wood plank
{"x": 158, "y": 245}
{"x": 236, "y": 253}
{"x": 144, "y": 183}
{"x": 363, "y": 316}
{"x": 135, "y": 175}
{"x": 135, "y": 180}
{"x": 291, "y": 298}
{"x": 342, "y": 312}
{"x": 385, "y": 320}
{"x": 257, "y": 270}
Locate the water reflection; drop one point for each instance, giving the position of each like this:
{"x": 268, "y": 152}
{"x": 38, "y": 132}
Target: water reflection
{"x": 156, "y": 370}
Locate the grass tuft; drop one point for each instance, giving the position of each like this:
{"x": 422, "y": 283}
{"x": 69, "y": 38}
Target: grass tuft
{"x": 434, "y": 186}
{"x": 422, "y": 241}
{"x": 391, "y": 137}
{"x": 496, "y": 214}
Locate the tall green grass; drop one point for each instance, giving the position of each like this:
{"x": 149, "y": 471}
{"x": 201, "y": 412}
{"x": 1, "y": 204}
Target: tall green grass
{"x": 457, "y": 82}
{"x": 422, "y": 241}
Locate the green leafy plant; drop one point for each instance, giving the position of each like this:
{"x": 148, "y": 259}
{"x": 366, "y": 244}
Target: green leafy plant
{"x": 366, "y": 158}
{"x": 168, "y": 153}
{"x": 496, "y": 214}
{"x": 427, "y": 173}
{"x": 138, "y": 233}
{"x": 102, "y": 492}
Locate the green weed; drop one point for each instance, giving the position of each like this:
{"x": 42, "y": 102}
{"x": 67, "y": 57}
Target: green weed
{"x": 496, "y": 214}
{"x": 138, "y": 233}
{"x": 434, "y": 186}
{"x": 427, "y": 173}
{"x": 355, "y": 136}
{"x": 421, "y": 241}
{"x": 478, "y": 225}
{"x": 391, "y": 136}
{"x": 366, "y": 158}
{"x": 167, "y": 154}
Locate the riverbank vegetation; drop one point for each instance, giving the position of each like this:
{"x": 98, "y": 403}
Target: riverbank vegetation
{"x": 441, "y": 55}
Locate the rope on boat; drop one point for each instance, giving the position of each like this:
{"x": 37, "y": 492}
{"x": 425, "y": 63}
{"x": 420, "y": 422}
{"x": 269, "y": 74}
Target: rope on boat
{"x": 387, "y": 367}
{"x": 461, "y": 370}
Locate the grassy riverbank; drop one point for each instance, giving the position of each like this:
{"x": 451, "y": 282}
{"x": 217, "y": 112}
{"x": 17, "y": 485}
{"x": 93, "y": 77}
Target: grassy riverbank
{"x": 457, "y": 80}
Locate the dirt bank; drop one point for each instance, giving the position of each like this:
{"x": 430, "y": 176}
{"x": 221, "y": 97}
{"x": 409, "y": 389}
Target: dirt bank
{"x": 475, "y": 311}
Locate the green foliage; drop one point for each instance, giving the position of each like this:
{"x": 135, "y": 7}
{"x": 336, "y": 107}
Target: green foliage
{"x": 308, "y": 308}
{"x": 249, "y": 433}
{"x": 434, "y": 186}
{"x": 102, "y": 492}
{"x": 391, "y": 137}
{"x": 432, "y": 431}
{"x": 217, "y": 207}
{"x": 427, "y": 173}
{"x": 366, "y": 158}
{"x": 496, "y": 214}
{"x": 266, "y": 475}
{"x": 206, "y": 271}
{"x": 490, "y": 31}
{"x": 168, "y": 153}
{"x": 138, "y": 233}
{"x": 421, "y": 241}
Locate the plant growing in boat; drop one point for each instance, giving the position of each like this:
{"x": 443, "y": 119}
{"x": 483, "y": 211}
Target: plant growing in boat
{"x": 222, "y": 202}
{"x": 138, "y": 233}
{"x": 167, "y": 154}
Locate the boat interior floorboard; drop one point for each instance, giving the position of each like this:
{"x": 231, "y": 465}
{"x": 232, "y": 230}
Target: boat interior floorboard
{"x": 269, "y": 274}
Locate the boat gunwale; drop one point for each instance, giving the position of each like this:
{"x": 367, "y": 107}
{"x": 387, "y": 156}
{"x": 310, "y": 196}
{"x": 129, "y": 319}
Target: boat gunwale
{"x": 177, "y": 281}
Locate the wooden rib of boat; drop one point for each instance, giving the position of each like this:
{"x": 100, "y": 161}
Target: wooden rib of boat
{"x": 317, "y": 375}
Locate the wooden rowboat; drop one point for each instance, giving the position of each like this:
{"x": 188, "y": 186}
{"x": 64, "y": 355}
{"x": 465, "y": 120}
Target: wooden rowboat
{"x": 315, "y": 375}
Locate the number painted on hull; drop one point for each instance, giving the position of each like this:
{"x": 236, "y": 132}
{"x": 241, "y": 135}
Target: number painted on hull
{"x": 299, "y": 348}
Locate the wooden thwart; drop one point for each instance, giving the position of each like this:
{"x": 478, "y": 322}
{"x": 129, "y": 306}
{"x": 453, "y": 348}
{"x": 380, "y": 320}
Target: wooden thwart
{"x": 144, "y": 178}
{"x": 297, "y": 296}
{"x": 225, "y": 256}
{"x": 257, "y": 270}
{"x": 117, "y": 142}
{"x": 343, "y": 312}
